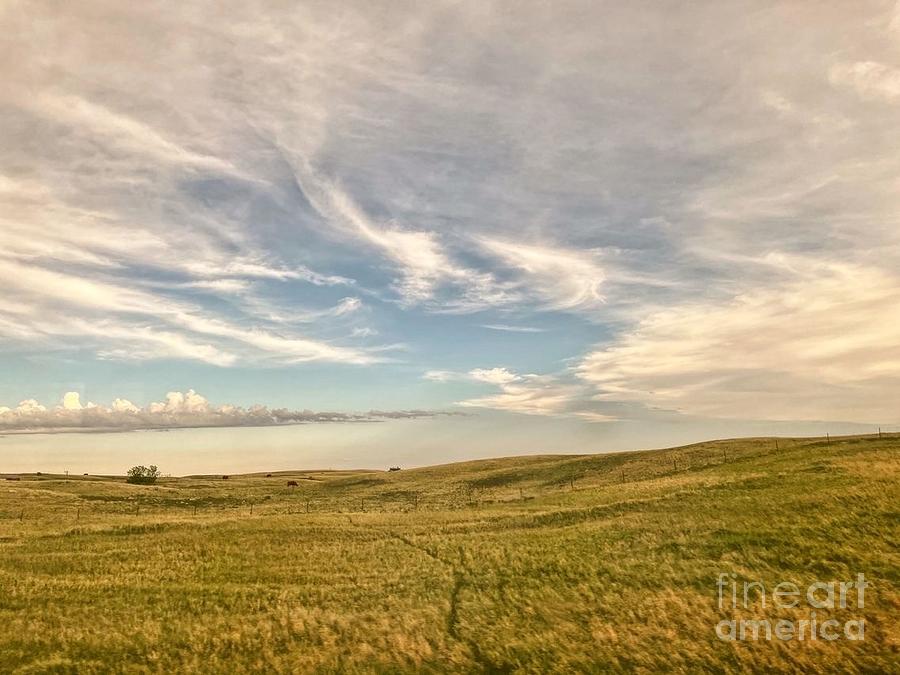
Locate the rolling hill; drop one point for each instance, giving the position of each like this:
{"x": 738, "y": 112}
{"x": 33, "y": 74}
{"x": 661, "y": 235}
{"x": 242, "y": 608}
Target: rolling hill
{"x": 524, "y": 564}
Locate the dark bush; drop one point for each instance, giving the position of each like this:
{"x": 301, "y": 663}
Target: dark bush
{"x": 143, "y": 475}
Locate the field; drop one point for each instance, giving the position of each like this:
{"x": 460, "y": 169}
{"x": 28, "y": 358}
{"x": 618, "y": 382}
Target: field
{"x": 527, "y": 564}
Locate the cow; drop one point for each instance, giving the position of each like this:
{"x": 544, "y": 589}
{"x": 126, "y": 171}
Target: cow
{"x": 292, "y": 483}
{"x": 225, "y": 477}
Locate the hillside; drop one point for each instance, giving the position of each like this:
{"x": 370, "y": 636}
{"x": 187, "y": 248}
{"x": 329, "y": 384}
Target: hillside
{"x": 523, "y": 564}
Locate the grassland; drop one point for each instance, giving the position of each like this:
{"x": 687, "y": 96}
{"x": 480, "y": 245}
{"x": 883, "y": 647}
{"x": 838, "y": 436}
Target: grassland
{"x": 531, "y": 564}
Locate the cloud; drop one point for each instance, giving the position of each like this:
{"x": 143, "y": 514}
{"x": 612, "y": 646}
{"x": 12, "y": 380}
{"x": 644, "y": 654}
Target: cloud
{"x": 869, "y": 78}
{"x": 28, "y": 407}
{"x": 423, "y": 262}
{"x": 411, "y": 414}
{"x": 562, "y": 279}
{"x": 166, "y": 328}
{"x": 122, "y": 405}
{"x": 201, "y": 203}
{"x": 498, "y": 376}
{"x": 439, "y": 375}
{"x": 221, "y": 286}
{"x": 72, "y": 401}
{"x": 179, "y": 410}
{"x": 529, "y": 394}
{"x": 513, "y": 329}
{"x": 121, "y": 130}
{"x": 259, "y": 270}
{"x": 818, "y": 346}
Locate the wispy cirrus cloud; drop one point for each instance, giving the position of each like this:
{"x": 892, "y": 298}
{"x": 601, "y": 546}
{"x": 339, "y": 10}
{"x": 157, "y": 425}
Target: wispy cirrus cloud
{"x": 122, "y": 132}
{"x": 425, "y": 265}
{"x": 563, "y": 279}
{"x": 150, "y": 326}
{"x": 507, "y": 328}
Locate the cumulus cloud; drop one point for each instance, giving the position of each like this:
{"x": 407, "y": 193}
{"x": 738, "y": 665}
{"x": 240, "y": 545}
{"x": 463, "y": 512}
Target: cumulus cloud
{"x": 123, "y": 405}
{"x": 179, "y": 410}
{"x": 72, "y": 401}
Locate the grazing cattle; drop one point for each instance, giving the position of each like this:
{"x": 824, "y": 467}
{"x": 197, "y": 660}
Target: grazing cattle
{"x": 292, "y": 483}
{"x": 268, "y": 475}
{"x": 225, "y": 477}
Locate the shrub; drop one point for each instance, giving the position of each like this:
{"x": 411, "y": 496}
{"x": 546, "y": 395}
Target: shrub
{"x": 142, "y": 475}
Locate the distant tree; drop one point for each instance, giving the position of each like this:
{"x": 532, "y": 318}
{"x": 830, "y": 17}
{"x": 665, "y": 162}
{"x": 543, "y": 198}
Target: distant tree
{"x": 142, "y": 475}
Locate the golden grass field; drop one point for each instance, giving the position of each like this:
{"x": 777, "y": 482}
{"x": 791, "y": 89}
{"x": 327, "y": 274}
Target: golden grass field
{"x": 590, "y": 563}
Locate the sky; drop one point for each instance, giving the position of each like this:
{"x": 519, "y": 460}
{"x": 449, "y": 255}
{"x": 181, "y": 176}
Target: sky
{"x": 434, "y": 231}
